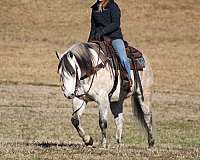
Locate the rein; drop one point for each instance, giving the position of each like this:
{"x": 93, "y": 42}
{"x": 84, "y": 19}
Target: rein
{"x": 96, "y": 69}
{"x": 82, "y": 96}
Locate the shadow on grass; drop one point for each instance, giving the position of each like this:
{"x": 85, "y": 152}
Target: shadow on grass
{"x": 53, "y": 144}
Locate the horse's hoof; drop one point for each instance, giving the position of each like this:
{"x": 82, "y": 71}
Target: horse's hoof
{"x": 151, "y": 145}
{"x": 119, "y": 141}
{"x": 151, "y": 149}
{"x": 103, "y": 146}
{"x": 90, "y": 142}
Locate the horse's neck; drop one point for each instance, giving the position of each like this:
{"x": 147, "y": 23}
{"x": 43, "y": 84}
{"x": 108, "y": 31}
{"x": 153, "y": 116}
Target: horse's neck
{"x": 96, "y": 60}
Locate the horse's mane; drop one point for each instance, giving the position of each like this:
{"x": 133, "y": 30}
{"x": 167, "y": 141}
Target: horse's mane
{"x": 83, "y": 56}
{"x": 64, "y": 62}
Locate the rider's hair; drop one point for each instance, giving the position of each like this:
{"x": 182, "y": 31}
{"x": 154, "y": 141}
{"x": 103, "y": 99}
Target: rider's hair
{"x": 103, "y": 5}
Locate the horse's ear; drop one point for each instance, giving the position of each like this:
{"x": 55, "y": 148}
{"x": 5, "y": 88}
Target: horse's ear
{"x": 58, "y": 55}
{"x": 71, "y": 54}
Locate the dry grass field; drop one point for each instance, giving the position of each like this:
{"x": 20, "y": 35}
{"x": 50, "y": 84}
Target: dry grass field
{"x": 35, "y": 116}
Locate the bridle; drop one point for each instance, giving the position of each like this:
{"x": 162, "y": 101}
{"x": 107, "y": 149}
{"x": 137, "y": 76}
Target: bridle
{"x": 62, "y": 76}
{"x": 85, "y": 96}
{"x": 77, "y": 84}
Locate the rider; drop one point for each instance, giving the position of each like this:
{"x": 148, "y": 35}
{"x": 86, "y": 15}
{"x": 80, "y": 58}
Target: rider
{"x": 105, "y": 21}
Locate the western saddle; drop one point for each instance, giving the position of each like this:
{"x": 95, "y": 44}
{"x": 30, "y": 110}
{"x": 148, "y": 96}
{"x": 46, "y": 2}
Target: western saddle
{"x": 134, "y": 55}
{"x": 137, "y": 62}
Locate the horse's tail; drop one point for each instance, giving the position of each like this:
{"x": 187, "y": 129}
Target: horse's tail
{"x": 141, "y": 99}
{"x": 138, "y": 112}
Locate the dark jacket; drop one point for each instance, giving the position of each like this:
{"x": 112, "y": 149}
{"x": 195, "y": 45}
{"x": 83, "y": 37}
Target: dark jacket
{"x": 106, "y": 22}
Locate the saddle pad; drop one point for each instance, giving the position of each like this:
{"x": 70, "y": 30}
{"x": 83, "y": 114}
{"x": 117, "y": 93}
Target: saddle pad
{"x": 140, "y": 62}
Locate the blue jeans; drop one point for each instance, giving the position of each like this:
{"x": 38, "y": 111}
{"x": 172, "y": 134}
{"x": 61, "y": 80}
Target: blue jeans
{"x": 118, "y": 45}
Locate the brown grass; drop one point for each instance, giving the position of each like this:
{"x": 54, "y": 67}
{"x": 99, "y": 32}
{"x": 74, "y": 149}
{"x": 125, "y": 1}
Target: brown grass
{"x": 166, "y": 31}
{"x": 35, "y": 124}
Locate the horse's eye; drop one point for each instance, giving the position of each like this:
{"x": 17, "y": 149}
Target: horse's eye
{"x": 73, "y": 73}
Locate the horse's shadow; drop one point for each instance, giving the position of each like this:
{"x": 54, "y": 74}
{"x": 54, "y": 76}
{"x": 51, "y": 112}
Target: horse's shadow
{"x": 47, "y": 145}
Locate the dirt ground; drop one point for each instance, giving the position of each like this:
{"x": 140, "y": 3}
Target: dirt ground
{"x": 35, "y": 124}
{"x": 35, "y": 116}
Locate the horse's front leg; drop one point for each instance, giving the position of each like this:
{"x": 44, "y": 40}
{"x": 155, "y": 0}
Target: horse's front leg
{"x": 103, "y": 103}
{"x": 78, "y": 108}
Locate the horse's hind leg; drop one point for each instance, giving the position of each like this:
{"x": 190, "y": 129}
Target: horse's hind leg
{"x": 117, "y": 111}
{"x": 78, "y": 108}
{"x": 103, "y": 104}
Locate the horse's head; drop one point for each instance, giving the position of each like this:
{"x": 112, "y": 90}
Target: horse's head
{"x": 67, "y": 70}
{"x": 74, "y": 64}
